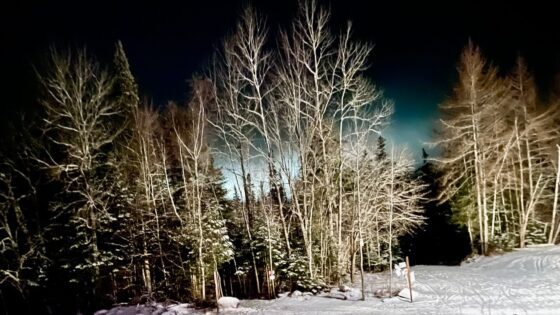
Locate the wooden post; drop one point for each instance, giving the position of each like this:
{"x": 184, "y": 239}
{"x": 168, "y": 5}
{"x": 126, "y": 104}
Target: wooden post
{"x": 408, "y": 278}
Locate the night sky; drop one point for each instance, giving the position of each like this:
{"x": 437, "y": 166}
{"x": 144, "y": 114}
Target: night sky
{"x": 417, "y": 44}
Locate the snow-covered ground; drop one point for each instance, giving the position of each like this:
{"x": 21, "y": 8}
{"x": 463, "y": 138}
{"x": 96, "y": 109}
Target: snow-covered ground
{"x": 525, "y": 281}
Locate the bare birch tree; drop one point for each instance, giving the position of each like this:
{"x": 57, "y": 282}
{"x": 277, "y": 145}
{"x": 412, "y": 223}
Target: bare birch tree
{"x": 78, "y": 121}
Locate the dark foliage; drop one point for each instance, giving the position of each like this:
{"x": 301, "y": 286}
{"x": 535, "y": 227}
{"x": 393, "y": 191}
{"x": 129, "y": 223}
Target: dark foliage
{"x": 440, "y": 241}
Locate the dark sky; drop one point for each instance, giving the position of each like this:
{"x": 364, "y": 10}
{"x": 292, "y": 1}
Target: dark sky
{"x": 417, "y": 44}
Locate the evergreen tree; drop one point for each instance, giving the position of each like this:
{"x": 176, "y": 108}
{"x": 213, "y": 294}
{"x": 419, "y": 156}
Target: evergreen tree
{"x": 126, "y": 89}
{"x": 442, "y": 240}
{"x": 380, "y": 152}
{"x": 276, "y": 190}
{"x": 123, "y": 170}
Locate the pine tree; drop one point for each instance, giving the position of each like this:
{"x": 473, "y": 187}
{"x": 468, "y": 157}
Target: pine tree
{"x": 444, "y": 238}
{"x": 123, "y": 165}
{"x": 126, "y": 89}
{"x": 380, "y": 153}
{"x": 276, "y": 191}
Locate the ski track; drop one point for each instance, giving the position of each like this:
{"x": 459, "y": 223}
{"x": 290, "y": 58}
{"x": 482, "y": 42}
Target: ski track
{"x": 524, "y": 281}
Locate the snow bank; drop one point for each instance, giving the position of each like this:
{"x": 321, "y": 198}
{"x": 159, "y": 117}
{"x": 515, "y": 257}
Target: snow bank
{"x": 152, "y": 309}
{"x": 226, "y": 302}
{"x": 128, "y": 310}
{"x": 296, "y": 293}
{"x": 179, "y": 309}
{"x": 405, "y": 294}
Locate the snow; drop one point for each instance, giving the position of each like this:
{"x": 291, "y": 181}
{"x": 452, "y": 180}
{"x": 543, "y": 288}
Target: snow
{"x": 226, "y": 302}
{"x": 152, "y": 309}
{"x": 296, "y": 293}
{"x": 405, "y": 294}
{"x": 524, "y": 281}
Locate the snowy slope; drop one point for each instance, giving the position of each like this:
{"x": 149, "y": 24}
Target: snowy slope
{"x": 522, "y": 282}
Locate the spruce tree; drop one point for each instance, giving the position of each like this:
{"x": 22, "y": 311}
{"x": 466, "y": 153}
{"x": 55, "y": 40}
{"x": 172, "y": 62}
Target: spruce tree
{"x": 126, "y": 89}
{"x": 380, "y": 153}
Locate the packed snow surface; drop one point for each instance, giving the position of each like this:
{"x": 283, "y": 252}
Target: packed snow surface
{"x": 525, "y": 281}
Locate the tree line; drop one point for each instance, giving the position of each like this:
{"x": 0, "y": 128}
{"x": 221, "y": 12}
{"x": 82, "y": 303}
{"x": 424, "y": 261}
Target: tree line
{"x": 108, "y": 199}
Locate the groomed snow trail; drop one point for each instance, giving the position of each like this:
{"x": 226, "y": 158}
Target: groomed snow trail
{"x": 524, "y": 281}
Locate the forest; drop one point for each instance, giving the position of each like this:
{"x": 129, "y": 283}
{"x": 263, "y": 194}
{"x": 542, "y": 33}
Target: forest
{"x": 274, "y": 176}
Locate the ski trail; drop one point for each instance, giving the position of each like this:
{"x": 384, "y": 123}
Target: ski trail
{"x": 521, "y": 282}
